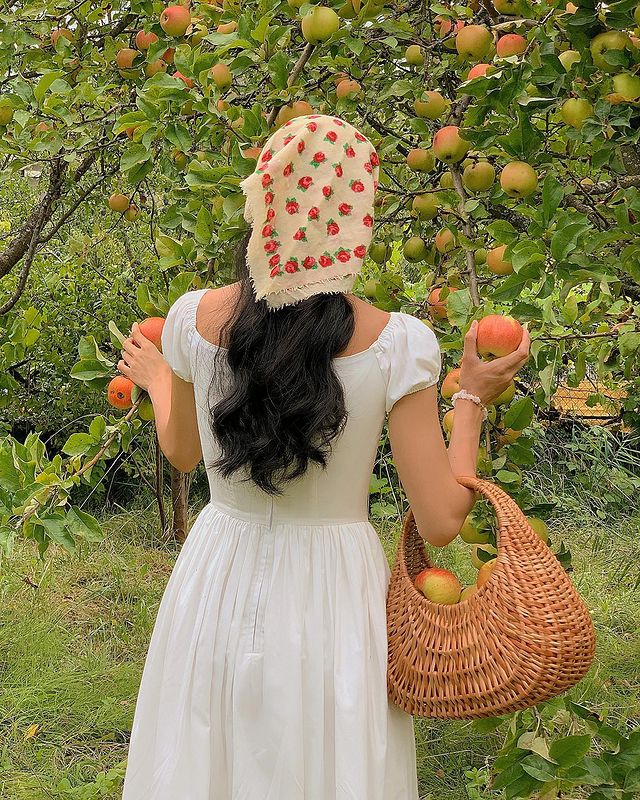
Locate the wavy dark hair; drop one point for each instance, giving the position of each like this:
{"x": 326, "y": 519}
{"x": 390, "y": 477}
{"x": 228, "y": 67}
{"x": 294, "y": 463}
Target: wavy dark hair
{"x": 285, "y": 404}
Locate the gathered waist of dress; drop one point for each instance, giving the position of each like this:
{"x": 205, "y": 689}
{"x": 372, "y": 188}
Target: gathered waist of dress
{"x": 271, "y": 514}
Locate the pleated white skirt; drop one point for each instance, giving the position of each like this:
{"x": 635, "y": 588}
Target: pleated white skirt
{"x": 265, "y": 677}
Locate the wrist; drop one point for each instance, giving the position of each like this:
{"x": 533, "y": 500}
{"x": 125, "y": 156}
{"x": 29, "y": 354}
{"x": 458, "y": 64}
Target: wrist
{"x": 161, "y": 382}
{"x": 470, "y": 399}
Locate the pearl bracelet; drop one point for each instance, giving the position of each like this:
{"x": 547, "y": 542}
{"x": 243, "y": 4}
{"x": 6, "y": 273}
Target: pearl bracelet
{"x": 465, "y": 395}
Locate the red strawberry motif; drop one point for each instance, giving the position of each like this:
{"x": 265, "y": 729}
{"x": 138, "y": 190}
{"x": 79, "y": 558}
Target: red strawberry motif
{"x": 325, "y": 260}
{"x": 300, "y": 235}
{"x": 288, "y": 138}
{"x": 266, "y": 180}
{"x": 309, "y": 262}
{"x": 268, "y": 198}
{"x": 327, "y": 191}
{"x": 360, "y": 137}
{"x": 357, "y": 186}
{"x": 368, "y": 167}
{"x": 301, "y": 146}
{"x": 267, "y": 230}
{"x": 344, "y": 209}
{"x": 270, "y": 214}
{"x": 275, "y": 271}
{"x": 292, "y": 207}
{"x": 367, "y": 220}
{"x": 291, "y": 266}
{"x": 305, "y": 182}
{"x": 331, "y": 136}
{"x": 338, "y": 122}
{"x": 338, "y": 170}
{"x": 274, "y": 260}
{"x": 360, "y": 251}
{"x": 313, "y": 212}
{"x": 332, "y": 227}
{"x": 312, "y": 126}
{"x": 267, "y": 156}
{"x": 349, "y": 151}
{"x": 343, "y": 255}
{"x": 374, "y": 159}
{"x": 318, "y": 158}
{"x": 314, "y": 116}
{"x": 375, "y": 185}
{"x": 271, "y": 246}
{"x": 287, "y": 170}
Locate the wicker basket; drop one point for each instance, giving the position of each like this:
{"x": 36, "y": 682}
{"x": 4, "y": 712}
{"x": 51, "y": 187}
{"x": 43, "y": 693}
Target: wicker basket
{"x": 523, "y": 637}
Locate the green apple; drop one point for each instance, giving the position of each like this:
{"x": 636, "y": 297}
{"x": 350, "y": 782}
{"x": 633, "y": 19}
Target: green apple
{"x": 415, "y": 249}
{"x": 425, "y": 206}
{"x": 575, "y": 111}
{"x": 319, "y": 24}
{"x": 430, "y": 105}
{"x": 603, "y": 43}
{"x": 627, "y": 85}
{"x": 379, "y": 252}
{"x": 479, "y": 177}
{"x": 540, "y": 527}
{"x": 568, "y": 58}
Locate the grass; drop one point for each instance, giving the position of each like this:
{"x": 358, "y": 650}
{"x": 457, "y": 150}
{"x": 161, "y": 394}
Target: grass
{"x": 72, "y": 651}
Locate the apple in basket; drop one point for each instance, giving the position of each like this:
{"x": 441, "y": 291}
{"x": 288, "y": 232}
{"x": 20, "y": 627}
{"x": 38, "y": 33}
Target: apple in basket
{"x": 484, "y": 573}
{"x": 438, "y": 585}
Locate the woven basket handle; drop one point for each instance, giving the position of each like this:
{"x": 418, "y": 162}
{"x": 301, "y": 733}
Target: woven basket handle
{"x": 506, "y": 509}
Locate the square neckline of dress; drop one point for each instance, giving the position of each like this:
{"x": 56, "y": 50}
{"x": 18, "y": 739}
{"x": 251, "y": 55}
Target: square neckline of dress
{"x": 360, "y": 353}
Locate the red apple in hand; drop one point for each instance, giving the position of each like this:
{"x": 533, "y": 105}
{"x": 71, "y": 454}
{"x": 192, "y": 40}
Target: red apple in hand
{"x": 151, "y": 328}
{"x": 438, "y": 585}
{"x": 498, "y": 335}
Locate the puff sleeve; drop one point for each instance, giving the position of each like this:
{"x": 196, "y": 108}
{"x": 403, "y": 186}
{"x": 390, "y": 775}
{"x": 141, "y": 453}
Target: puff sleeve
{"x": 410, "y": 358}
{"x": 177, "y": 334}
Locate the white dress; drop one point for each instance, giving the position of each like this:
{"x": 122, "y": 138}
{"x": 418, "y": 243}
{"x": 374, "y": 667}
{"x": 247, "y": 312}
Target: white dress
{"x": 265, "y": 677}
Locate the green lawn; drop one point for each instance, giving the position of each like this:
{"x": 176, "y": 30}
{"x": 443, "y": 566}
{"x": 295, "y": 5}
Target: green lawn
{"x": 72, "y": 651}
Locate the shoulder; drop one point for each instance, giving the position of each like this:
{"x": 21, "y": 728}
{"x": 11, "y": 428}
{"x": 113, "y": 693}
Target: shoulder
{"x": 408, "y": 331}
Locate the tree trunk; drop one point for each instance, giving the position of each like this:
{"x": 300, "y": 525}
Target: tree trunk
{"x": 180, "y": 503}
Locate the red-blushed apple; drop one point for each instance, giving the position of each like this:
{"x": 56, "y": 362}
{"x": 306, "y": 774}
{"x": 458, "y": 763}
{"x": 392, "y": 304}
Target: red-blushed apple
{"x": 119, "y": 202}
{"x": 131, "y": 213}
{"x": 168, "y": 55}
{"x": 438, "y": 307}
{"x": 508, "y": 436}
{"x": 467, "y": 592}
{"x": 447, "y": 421}
{"x": 479, "y": 176}
{"x": 145, "y": 40}
{"x": 485, "y": 571}
{"x": 58, "y": 32}
{"x": 518, "y": 179}
{"x": 151, "y": 328}
{"x": 438, "y": 585}
{"x": 154, "y": 67}
{"x": 348, "y": 89}
{"x": 421, "y": 160}
{"x": 511, "y": 44}
{"x": 119, "y": 392}
{"x": 187, "y": 81}
{"x": 449, "y": 146}
{"x": 175, "y": 20}
{"x": 430, "y": 105}
{"x": 221, "y": 75}
{"x": 479, "y": 71}
{"x": 575, "y": 111}
{"x": 508, "y": 7}
{"x": 497, "y": 263}
{"x": 498, "y": 335}
{"x": 444, "y": 240}
{"x": 451, "y": 383}
{"x": 473, "y": 42}
{"x": 125, "y": 57}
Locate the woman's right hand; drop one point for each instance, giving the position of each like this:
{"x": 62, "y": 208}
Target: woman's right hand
{"x": 489, "y": 379}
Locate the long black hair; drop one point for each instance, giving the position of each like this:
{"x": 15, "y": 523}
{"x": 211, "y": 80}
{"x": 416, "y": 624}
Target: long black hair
{"x": 285, "y": 403}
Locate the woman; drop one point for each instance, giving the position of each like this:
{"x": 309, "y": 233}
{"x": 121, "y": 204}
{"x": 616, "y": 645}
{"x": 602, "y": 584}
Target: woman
{"x": 266, "y": 672}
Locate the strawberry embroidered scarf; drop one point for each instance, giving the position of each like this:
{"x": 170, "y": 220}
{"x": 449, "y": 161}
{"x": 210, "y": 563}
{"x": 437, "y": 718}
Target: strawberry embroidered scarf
{"x": 310, "y": 202}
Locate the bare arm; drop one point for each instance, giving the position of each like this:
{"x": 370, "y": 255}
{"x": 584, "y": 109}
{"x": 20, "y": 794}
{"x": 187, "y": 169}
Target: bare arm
{"x": 427, "y": 470}
{"x": 173, "y": 400}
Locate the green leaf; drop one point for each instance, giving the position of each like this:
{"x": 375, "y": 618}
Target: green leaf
{"x": 97, "y": 428}
{"x": 57, "y": 531}
{"x": 88, "y": 369}
{"x": 78, "y": 444}
{"x": 539, "y": 768}
{"x": 459, "y": 307}
{"x": 204, "y": 226}
{"x": 570, "y": 309}
{"x": 552, "y": 195}
{"x": 44, "y": 84}
{"x": 179, "y": 285}
{"x": 519, "y": 414}
{"x": 260, "y": 31}
{"x": 135, "y": 154}
{"x": 178, "y": 135}
{"x": 84, "y": 525}
{"x": 116, "y": 334}
{"x": 565, "y": 239}
{"x": 589, "y": 772}
{"x": 570, "y": 749}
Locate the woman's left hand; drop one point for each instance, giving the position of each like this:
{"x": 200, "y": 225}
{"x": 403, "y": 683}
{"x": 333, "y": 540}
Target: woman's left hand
{"x": 141, "y": 361}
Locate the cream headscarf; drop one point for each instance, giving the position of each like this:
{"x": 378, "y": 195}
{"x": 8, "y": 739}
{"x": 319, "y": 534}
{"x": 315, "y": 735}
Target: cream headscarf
{"x": 310, "y": 200}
